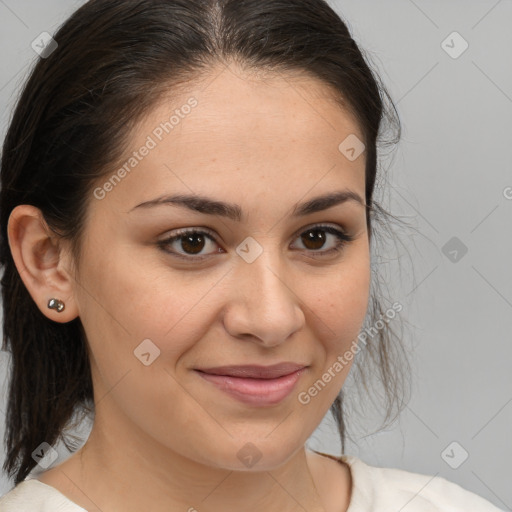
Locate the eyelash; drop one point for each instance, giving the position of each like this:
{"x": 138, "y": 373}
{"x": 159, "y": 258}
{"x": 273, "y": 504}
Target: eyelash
{"x": 342, "y": 236}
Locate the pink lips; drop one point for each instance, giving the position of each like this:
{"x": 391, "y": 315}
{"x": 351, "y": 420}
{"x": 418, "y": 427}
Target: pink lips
{"x": 256, "y": 385}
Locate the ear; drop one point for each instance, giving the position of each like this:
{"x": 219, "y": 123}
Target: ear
{"x": 42, "y": 262}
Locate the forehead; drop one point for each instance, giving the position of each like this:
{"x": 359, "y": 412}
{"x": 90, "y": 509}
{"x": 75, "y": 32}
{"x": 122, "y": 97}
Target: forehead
{"x": 254, "y": 106}
{"x": 233, "y": 131}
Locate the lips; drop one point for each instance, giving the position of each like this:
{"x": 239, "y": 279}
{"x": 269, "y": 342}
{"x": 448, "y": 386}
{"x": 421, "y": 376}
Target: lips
{"x": 254, "y": 371}
{"x": 254, "y": 385}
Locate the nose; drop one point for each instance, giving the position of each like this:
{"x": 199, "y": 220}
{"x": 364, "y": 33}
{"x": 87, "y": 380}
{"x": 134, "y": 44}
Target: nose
{"x": 264, "y": 308}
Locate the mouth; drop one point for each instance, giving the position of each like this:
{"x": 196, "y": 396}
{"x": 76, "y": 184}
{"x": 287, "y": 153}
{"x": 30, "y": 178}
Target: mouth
{"x": 255, "y": 385}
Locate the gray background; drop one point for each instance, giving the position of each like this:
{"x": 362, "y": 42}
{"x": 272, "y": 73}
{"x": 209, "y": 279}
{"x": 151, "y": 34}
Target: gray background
{"x": 449, "y": 178}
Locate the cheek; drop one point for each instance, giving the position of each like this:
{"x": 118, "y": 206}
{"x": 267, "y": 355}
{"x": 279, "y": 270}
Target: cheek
{"x": 138, "y": 327}
{"x": 344, "y": 302}
{"x": 142, "y": 320}
{"x": 340, "y": 311}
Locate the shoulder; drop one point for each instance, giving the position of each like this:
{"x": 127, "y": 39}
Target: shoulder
{"x": 35, "y": 496}
{"x": 376, "y": 488}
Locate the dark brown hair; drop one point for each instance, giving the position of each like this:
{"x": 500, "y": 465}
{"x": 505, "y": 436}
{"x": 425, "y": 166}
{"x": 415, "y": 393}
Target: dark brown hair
{"x": 71, "y": 124}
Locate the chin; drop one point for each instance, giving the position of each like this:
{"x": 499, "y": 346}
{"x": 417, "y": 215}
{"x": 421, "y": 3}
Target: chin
{"x": 255, "y": 456}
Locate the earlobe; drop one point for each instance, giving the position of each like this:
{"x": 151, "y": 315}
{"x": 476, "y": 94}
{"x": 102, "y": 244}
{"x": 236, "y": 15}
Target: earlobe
{"x": 40, "y": 259}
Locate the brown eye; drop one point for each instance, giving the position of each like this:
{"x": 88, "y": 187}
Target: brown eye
{"x": 193, "y": 243}
{"x": 188, "y": 244}
{"x": 317, "y": 237}
{"x": 313, "y": 239}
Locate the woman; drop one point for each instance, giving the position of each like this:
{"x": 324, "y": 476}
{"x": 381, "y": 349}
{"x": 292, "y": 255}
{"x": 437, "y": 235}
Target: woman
{"x": 187, "y": 219}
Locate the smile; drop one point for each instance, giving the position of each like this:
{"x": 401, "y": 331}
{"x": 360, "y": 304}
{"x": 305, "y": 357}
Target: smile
{"x": 255, "y": 391}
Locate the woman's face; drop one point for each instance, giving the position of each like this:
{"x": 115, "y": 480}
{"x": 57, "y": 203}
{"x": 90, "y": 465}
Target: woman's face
{"x": 261, "y": 286}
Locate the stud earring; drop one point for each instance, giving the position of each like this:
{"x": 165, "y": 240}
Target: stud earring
{"x": 56, "y": 304}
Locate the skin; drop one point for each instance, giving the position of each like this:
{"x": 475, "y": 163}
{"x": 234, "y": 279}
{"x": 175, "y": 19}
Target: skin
{"x": 162, "y": 434}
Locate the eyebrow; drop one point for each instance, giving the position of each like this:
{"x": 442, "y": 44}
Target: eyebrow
{"x": 208, "y": 206}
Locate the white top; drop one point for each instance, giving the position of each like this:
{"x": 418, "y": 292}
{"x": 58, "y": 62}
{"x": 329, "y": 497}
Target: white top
{"x": 374, "y": 489}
